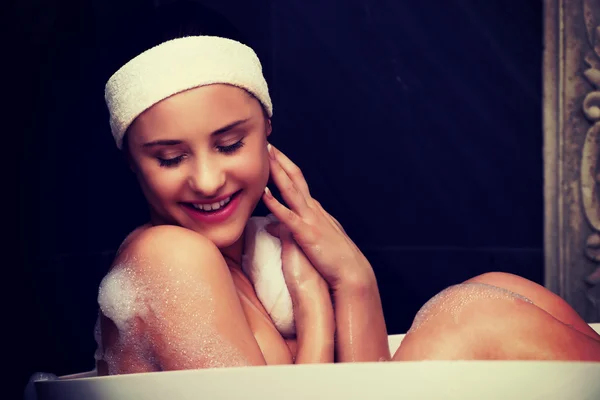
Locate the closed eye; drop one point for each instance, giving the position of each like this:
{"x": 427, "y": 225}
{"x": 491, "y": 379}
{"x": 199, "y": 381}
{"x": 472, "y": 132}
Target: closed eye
{"x": 170, "y": 162}
{"x": 232, "y": 148}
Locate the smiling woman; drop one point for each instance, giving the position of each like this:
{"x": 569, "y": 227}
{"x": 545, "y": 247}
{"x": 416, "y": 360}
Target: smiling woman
{"x": 175, "y": 296}
{"x": 193, "y": 115}
{"x": 211, "y": 141}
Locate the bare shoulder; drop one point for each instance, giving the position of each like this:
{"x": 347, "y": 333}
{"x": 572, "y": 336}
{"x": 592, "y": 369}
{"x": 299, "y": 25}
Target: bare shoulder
{"x": 169, "y": 247}
{"x": 171, "y": 289}
{"x": 164, "y": 236}
{"x": 167, "y": 260}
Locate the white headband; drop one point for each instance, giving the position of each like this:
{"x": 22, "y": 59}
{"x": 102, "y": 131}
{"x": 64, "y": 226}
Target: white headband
{"x": 178, "y": 65}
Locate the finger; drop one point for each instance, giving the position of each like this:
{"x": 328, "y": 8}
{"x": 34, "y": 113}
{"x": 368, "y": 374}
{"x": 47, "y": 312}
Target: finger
{"x": 292, "y": 170}
{"x": 291, "y": 194}
{"x": 285, "y": 234}
{"x": 334, "y": 222}
{"x": 297, "y": 268}
{"x": 273, "y": 229}
{"x": 299, "y": 229}
{"x": 341, "y": 230}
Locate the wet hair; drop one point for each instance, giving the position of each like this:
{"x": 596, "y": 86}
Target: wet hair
{"x": 172, "y": 20}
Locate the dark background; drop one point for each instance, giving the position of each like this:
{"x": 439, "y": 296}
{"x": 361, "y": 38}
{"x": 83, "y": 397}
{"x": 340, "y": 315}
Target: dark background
{"x": 417, "y": 125}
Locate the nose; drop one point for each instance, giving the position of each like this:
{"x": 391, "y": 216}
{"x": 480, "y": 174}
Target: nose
{"x": 206, "y": 177}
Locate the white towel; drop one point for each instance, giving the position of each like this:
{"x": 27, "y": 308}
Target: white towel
{"x": 262, "y": 264}
{"x": 178, "y": 65}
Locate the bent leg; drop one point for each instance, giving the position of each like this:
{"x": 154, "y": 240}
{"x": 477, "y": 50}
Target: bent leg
{"x": 478, "y": 321}
{"x": 540, "y": 296}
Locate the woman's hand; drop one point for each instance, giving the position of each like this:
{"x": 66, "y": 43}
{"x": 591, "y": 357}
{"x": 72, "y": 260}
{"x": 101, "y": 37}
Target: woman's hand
{"x": 299, "y": 274}
{"x": 320, "y": 236}
{"x": 361, "y": 334}
{"x": 313, "y": 310}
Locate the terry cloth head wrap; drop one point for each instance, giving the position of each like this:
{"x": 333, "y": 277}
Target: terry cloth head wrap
{"x": 178, "y": 65}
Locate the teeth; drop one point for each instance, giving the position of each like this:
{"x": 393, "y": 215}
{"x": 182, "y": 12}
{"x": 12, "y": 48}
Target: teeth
{"x": 213, "y": 206}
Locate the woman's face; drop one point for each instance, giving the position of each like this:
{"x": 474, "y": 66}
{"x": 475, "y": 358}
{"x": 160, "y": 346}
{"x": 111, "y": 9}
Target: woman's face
{"x": 199, "y": 150}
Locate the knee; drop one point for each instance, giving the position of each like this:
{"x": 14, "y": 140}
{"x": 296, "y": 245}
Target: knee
{"x": 465, "y": 321}
{"x": 514, "y": 283}
{"x": 496, "y": 278}
{"x": 480, "y": 321}
{"x": 464, "y": 303}
{"x": 539, "y": 295}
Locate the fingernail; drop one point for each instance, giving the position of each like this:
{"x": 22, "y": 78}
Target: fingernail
{"x": 268, "y": 192}
{"x": 270, "y": 150}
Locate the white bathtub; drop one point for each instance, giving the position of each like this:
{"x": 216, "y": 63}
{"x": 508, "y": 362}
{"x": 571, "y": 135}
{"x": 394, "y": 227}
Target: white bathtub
{"x": 405, "y": 380}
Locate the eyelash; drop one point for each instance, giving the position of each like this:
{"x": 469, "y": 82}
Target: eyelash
{"x": 172, "y": 162}
{"x": 232, "y": 148}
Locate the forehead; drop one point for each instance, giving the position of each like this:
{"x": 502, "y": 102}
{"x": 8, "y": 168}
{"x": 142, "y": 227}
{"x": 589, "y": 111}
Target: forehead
{"x": 206, "y": 108}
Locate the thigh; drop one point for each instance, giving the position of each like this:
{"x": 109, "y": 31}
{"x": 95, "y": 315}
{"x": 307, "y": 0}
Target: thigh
{"x": 478, "y": 321}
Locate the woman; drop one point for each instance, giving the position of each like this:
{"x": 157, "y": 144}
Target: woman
{"x": 176, "y": 296}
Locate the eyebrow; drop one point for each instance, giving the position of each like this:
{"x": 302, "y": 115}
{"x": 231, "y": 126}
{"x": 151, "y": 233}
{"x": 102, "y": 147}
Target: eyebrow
{"x": 218, "y": 132}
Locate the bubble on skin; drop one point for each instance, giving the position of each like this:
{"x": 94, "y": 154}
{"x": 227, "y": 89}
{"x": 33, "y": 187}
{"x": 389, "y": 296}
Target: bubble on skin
{"x": 448, "y": 301}
{"x": 142, "y": 303}
{"x": 121, "y": 297}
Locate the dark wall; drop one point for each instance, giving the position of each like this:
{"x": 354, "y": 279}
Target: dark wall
{"x": 417, "y": 124}
{"x": 419, "y": 127}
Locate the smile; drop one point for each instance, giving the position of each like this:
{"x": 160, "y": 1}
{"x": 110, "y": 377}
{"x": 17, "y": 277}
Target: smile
{"x": 215, "y": 212}
{"x": 214, "y": 206}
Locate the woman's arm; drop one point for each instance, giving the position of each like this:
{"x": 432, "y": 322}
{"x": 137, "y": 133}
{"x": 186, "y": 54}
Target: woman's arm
{"x": 172, "y": 301}
{"x": 361, "y": 330}
{"x": 313, "y": 310}
{"x": 315, "y": 324}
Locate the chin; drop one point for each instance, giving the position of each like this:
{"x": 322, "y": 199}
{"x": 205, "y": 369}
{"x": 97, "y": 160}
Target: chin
{"x": 223, "y": 241}
{"x": 223, "y": 235}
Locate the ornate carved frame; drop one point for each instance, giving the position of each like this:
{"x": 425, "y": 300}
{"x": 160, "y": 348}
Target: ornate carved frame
{"x": 571, "y": 115}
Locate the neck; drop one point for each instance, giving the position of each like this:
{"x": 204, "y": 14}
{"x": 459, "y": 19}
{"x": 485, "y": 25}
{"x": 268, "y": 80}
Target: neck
{"x": 233, "y": 253}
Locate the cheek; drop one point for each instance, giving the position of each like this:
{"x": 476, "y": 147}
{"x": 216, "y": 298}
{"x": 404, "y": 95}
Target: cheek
{"x": 160, "y": 184}
{"x": 253, "y": 168}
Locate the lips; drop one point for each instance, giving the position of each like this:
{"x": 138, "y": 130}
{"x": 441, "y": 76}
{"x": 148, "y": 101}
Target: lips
{"x": 213, "y": 206}
{"x": 217, "y": 211}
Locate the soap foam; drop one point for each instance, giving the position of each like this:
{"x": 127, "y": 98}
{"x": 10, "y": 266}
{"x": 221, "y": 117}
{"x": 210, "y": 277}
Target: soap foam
{"x": 454, "y": 298}
{"x": 141, "y": 304}
{"x": 121, "y": 297}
